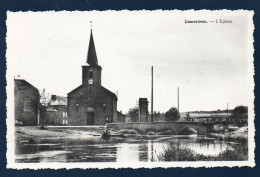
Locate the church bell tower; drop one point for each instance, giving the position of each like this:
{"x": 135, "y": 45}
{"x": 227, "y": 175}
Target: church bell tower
{"x": 91, "y": 72}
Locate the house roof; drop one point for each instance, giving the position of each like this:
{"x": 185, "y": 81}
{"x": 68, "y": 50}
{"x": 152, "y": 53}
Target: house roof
{"x": 60, "y": 100}
{"x": 24, "y": 82}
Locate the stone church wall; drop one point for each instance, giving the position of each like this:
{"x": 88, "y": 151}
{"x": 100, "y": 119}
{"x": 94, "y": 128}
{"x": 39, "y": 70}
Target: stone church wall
{"x": 91, "y": 97}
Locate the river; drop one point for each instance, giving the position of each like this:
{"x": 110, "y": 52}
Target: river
{"x": 114, "y": 149}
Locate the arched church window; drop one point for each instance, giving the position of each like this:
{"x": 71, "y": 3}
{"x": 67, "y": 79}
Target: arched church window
{"x": 90, "y": 74}
{"x": 90, "y": 77}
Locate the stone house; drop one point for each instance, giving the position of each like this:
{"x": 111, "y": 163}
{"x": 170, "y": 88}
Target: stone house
{"x": 57, "y": 110}
{"x": 26, "y": 103}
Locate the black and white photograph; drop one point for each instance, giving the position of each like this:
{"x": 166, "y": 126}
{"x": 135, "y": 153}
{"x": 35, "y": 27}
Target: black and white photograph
{"x": 130, "y": 89}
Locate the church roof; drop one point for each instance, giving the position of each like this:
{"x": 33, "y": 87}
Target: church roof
{"x": 103, "y": 88}
{"x": 92, "y": 55}
{"x": 114, "y": 95}
{"x": 76, "y": 89}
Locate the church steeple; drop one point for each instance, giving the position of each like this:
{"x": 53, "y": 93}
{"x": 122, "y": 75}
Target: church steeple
{"x": 92, "y": 55}
{"x": 91, "y": 74}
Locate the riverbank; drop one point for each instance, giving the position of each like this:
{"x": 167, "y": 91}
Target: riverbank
{"x": 84, "y": 144}
{"x": 33, "y": 133}
{"x": 237, "y": 153}
{"x": 240, "y": 135}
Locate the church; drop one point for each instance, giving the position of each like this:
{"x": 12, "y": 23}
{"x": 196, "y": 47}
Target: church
{"x": 91, "y": 103}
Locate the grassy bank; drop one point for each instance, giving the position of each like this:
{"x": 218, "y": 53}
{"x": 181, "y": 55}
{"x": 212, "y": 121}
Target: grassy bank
{"x": 239, "y": 136}
{"x": 178, "y": 153}
{"x": 238, "y": 153}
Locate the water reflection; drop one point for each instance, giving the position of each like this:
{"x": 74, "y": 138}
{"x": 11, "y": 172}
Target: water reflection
{"x": 127, "y": 152}
{"x": 96, "y": 149}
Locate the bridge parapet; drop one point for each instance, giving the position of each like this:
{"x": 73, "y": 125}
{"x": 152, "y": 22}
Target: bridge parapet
{"x": 176, "y": 127}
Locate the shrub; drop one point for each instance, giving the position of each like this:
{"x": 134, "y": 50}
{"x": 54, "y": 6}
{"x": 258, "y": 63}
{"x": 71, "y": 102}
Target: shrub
{"x": 179, "y": 153}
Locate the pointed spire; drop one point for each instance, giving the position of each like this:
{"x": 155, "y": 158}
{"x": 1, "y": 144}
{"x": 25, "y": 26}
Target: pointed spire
{"x": 92, "y": 56}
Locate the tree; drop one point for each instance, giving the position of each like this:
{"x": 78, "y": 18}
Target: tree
{"x": 172, "y": 114}
{"x": 43, "y": 106}
{"x": 239, "y": 114}
{"x": 157, "y": 116}
{"x": 133, "y": 113}
{"x": 43, "y": 116}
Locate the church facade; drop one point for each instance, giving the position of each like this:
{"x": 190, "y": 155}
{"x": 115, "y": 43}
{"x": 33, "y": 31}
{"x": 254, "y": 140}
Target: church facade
{"x": 91, "y": 103}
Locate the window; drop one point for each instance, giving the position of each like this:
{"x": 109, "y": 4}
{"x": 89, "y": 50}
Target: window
{"x": 104, "y": 106}
{"x": 28, "y": 106}
{"x": 90, "y": 81}
{"x": 109, "y": 119}
{"x": 90, "y": 74}
{"x": 77, "y": 107}
{"x": 64, "y": 114}
{"x": 90, "y": 77}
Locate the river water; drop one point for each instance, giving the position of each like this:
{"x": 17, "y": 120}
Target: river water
{"x": 114, "y": 149}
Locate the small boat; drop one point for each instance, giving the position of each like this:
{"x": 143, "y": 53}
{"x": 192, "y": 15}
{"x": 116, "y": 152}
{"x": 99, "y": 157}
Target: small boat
{"x": 107, "y": 134}
{"x": 115, "y": 134}
{"x": 96, "y": 134}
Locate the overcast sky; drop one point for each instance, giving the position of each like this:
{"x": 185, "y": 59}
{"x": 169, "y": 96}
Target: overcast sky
{"x": 209, "y": 62}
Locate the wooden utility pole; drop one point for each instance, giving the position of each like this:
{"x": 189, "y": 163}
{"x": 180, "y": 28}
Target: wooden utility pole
{"x": 227, "y": 112}
{"x": 152, "y": 98}
{"x": 178, "y": 99}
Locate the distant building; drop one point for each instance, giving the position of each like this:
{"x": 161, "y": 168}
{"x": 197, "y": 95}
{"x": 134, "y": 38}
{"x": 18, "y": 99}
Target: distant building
{"x": 91, "y": 103}
{"x": 57, "y": 110}
{"x": 26, "y": 102}
{"x": 121, "y": 117}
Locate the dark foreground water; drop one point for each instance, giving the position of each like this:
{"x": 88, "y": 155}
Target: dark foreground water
{"x": 116, "y": 149}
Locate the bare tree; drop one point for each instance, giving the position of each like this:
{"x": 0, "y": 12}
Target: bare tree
{"x": 43, "y": 106}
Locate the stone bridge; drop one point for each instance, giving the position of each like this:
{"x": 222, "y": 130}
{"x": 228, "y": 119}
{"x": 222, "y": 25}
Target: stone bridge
{"x": 177, "y": 127}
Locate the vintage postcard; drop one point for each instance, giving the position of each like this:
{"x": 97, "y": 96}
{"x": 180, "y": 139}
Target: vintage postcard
{"x": 118, "y": 89}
